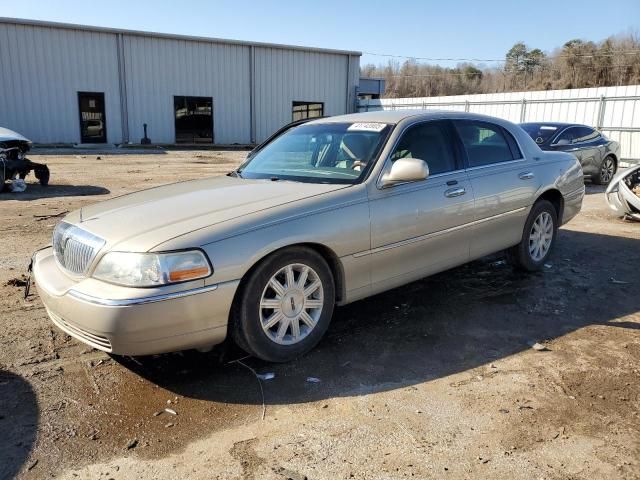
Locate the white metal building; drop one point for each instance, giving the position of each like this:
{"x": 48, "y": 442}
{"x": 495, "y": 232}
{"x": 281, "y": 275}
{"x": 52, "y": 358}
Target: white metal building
{"x": 62, "y": 83}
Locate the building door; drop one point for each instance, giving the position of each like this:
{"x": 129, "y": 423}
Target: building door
{"x": 194, "y": 119}
{"x": 93, "y": 122}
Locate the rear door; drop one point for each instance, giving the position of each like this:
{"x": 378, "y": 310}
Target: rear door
{"x": 504, "y": 185}
{"x": 419, "y": 228}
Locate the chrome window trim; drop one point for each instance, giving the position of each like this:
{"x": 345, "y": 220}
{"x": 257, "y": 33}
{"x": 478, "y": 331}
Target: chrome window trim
{"x": 420, "y": 238}
{"x": 128, "y": 302}
{"x": 507, "y": 162}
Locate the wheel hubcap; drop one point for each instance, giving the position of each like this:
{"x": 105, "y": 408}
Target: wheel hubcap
{"x": 291, "y": 304}
{"x": 541, "y": 236}
{"x": 607, "y": 170}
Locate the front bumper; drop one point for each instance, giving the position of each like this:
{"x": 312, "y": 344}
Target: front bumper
{"x": 148, "y": 322}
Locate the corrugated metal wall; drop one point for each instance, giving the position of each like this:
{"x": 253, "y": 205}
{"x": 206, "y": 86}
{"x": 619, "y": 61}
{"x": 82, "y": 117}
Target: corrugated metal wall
{"x": 41, "y": 72}
{"x": 616, "y": 110}
{"x": 285, "y": 76}
{"x": 157, "y": 69}
{"x": 44, "y": 66}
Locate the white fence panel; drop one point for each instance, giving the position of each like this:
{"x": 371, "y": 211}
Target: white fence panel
{"x": 613, "y": 110}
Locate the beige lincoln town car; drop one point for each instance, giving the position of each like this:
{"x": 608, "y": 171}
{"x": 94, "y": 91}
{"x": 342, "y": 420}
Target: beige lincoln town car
{"x": 324, "y": 213}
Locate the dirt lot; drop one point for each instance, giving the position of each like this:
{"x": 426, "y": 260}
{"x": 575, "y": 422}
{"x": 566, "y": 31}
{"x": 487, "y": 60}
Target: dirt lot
{"x": 433, "y": 380}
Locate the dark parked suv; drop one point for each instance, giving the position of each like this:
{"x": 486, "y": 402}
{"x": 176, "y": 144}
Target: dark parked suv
{"x": 598, "y": 155}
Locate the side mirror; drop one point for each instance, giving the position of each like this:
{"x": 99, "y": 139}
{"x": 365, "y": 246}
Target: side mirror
{"x": 405, "y": 170}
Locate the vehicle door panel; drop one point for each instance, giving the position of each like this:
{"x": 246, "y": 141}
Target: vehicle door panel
{"x": 504, "y": 185}
{"x": 419, "y": 228}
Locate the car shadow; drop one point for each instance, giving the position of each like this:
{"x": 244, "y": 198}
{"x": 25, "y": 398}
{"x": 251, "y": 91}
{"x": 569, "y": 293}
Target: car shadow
{"x": 448, "y": 323}
{"x": 36, "y": 191}
{"x": 18, "y": 423}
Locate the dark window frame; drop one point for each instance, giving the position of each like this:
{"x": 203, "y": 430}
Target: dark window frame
{"x": 300, "y": 103}
{"x": 509, "y": 139}
{"x": 104, "y": 113}
{"x": 175, "y": 119}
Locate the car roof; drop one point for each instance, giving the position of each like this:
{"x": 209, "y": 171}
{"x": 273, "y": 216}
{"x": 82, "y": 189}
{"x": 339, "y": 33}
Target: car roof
{"x": 556, "y": 124}
{"x": 396, "y": 116}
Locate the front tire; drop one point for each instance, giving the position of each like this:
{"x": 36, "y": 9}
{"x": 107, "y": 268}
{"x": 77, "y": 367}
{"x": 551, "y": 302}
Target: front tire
{"x": 285, "y": 306}
{"x": 538, "y": 237}
{"x": 606, "y": 172}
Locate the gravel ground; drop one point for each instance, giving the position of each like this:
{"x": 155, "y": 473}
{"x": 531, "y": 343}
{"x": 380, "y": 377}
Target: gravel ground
{"x": 436, "y": 379}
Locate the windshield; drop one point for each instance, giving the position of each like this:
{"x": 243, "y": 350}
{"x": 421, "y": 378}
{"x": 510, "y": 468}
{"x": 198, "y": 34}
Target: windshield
{"x": 319, "y": 153}
{"x": 540, "y": 132}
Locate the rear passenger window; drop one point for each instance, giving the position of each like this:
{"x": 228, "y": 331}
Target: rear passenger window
{"x": 486, "y": 143}
{"x": 430, "y": 142}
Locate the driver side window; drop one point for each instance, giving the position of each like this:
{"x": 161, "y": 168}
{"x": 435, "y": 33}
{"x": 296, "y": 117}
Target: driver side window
{"x": 430, "y": 142}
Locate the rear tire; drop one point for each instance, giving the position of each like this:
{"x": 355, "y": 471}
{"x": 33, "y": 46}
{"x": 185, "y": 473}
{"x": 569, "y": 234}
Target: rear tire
{"x": 42, "y": 174}
{"x": 538, "y": 238}
{"x": 607, "y": 170}
{"x": 285, "y": 305}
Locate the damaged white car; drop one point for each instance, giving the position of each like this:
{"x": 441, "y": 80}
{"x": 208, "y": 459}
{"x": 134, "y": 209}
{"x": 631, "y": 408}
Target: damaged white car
{"x": 623, "y": 193}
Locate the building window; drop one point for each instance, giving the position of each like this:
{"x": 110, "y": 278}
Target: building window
{"x": 302, "y": 110}
{"x": 194, "y": 119}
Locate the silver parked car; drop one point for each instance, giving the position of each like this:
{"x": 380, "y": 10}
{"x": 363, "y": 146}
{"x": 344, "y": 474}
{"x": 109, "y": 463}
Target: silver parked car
{"x": 325, "y": 213}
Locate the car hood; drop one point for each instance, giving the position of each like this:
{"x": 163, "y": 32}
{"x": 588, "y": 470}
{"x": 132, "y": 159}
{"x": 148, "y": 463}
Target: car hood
{"x": 142, "y": 220}
{"x": 7, "y": 135}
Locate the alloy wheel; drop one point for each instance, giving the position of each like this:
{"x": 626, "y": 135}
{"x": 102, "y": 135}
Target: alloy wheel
{"x": 541, "y": 236}
{"x": 291, "y": 304}
{"x": 607, "y": 170}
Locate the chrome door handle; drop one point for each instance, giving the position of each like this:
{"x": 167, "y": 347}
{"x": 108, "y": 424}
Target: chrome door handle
{"x": 526, "y": 176}
{"x": 454, "y": 192}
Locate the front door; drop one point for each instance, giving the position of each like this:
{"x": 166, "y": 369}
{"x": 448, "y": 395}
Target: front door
{"x": 422, "y": 227}
{"x": 93, "y": 122}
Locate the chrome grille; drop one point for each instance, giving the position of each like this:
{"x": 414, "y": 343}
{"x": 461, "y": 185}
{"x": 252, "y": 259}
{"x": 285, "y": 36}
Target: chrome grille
{"x": 75, "y": 248}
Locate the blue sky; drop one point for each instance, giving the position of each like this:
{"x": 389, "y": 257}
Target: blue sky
{"x": 434, "y": 29}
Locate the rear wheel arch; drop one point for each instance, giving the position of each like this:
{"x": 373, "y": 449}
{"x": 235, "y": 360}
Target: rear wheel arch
{"x": 554, "y": 196}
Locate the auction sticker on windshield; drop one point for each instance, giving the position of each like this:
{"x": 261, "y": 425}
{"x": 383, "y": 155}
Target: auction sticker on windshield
{"x": 367, "y": 127}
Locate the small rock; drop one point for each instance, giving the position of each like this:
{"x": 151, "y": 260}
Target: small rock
{"x": 168, "y": 425}
{"x": 313, "y": 380}
{"x": 504, "y": 410}
{"x": 132, "y": 444}
{"x": 539, "y": 347}
{"x": 33, "y": 464}
{"x": 157, "y": 413}
{"x": 171, "y": 411}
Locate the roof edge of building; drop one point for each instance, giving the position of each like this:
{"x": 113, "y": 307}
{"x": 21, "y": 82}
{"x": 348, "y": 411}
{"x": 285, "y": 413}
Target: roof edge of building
{"x": 171, "y": 36}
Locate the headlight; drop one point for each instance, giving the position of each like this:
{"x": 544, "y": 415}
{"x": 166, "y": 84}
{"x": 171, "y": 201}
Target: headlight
{"x": 152, "y": 269}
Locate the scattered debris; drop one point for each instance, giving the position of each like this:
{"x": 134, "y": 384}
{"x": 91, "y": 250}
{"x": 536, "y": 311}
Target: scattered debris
{"x": 33, "y": 464}
{"x": 264, "y": 406}
{"x": 132, "y": 444}
{"x": 18, "y": 185}
{"x": 40, "y": 218}
{"x": 171, "y": 411}
{"x": 313, "y": 380}
{"x": 168, "y": 425}
{"x": 539, "y": 347}
{"x": 618, "y": 282}
{"x": 157, "y": 413}
{"x": 16, "y": 282}
{"x": 266, "y": 376}
{"x": 504, "y": 410}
